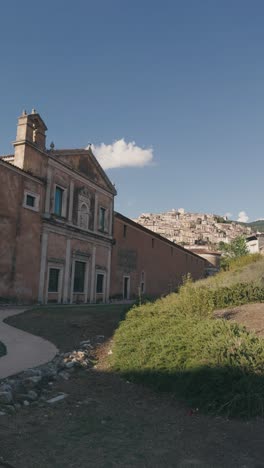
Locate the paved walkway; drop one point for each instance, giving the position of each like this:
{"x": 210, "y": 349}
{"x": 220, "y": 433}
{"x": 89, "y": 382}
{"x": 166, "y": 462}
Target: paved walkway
{"x": 23, "y": 349}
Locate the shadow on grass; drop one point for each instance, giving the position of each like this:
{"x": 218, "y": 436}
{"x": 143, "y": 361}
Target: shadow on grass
{"x": 229, "y": 391}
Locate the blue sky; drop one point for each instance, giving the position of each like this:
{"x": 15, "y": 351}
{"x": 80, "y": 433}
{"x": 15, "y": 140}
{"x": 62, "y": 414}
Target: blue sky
{"x": 183, "y": 80}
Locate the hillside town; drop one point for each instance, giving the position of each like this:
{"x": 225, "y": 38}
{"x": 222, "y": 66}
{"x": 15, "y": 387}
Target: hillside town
{"x": 132, "y": 330}
{"x": 193, "y": 229}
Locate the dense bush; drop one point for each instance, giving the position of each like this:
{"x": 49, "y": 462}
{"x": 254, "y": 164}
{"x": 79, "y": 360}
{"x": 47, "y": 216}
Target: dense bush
{"x": 232, "y": 264}
{"x": 175, "y": 344}
{"x": 203, "y": 301}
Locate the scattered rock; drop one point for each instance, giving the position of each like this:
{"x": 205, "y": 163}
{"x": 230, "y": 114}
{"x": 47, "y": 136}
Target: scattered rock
{"x": 69, "y": 364}
{"x": 33, "y": 386}
{"x": 6, "y": 397}
{"x": 5, "y": 388}
{"x": 49, "y": 372}
{"x": 64, "y": 375}
{"x": 32, "y": 396}
{"x": 87, "y": 346}
{"x": 10, "y": 409}
{"x": 42, "y": 398}
{"x": 57, "y": 398}
{"x": 32, "y": 373}
{"x": 21, "y": 397}
{"x": 33, "y": 380}
{"x": 85, "y": 342}
{"x": 100, "y": 337}
{"x": 2, "y": 413}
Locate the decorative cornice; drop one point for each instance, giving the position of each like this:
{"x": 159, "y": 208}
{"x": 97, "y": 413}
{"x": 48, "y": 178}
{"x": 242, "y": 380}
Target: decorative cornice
{"x": 57, "y": 162}
{"x": 71, "y": 232}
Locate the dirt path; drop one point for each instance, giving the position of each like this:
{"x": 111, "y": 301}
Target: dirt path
{"x": 106, "y": 422}
{"x": 249, "y": 315}
{"x": 23, "y": 349}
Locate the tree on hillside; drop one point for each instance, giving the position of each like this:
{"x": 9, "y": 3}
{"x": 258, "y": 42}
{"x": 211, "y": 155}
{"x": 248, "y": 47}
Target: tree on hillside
{"x": 237, "y": 248}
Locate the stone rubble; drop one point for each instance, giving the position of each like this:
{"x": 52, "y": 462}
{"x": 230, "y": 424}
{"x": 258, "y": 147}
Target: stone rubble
{"x": 57, "y": 398}
{"x": 34, "y": 386}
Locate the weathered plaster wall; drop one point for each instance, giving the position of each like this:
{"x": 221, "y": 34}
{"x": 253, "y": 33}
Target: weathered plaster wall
{"x": 30, "y": 159}
{"x": 20, "y": 230}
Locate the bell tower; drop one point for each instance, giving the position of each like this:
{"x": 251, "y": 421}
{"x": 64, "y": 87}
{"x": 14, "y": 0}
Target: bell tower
{"x": 31, "y": 134}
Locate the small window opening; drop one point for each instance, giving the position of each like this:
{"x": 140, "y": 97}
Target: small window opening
{"x": 124, "y": 230}
{"x": 102, "y": 218}
{"x": 58, "y": 201}
{"x": 79, "y": 277}
{"x": 142, "y": 282}
{"x": 100, "y": 283}
{"x": 30, "y": 200}
{"x": 54, "y": 274}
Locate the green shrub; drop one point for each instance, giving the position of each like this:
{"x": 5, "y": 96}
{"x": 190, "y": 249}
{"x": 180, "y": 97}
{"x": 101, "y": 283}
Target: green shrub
{"x": 232, "y": 264}
{"x": 203, "y": 301}
{"x": 175, "y": 344}
{"x": 212, "y": 364}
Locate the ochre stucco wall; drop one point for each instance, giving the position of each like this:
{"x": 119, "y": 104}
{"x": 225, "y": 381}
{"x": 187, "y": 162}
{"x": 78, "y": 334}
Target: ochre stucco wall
{"x": 163, "y": 263}
{"x": 20, "y": 230}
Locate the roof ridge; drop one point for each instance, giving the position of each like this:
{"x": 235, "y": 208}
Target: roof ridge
{"x": 61, "y": 150}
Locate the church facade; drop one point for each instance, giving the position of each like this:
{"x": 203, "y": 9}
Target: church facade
{"x": 60, "y": 239}
{"x": 56, "y": 215}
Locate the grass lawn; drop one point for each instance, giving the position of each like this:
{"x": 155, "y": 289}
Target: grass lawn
{"x": 2, "y": 349}
{"x": 67, "y": 326}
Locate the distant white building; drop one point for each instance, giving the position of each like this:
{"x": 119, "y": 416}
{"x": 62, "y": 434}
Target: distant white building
{"x": 255, "y": 243}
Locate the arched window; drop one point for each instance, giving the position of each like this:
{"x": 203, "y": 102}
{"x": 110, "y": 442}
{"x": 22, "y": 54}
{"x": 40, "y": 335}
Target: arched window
{"x": 84, "y": 216}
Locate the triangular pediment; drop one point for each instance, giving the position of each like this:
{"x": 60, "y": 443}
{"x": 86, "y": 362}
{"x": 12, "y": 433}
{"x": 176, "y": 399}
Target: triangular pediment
{"x": 84, "y": 161}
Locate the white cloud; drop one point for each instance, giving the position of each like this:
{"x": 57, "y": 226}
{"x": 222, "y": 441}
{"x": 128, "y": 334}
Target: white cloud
{"x": 242, "y": 217}
{"x": 122, "y": 154}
